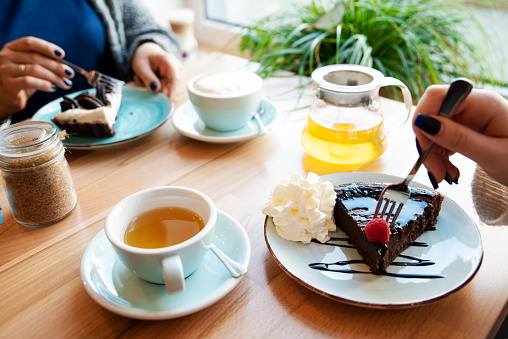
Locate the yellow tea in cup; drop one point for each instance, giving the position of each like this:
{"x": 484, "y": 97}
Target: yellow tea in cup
{"x": 162, "y": 227}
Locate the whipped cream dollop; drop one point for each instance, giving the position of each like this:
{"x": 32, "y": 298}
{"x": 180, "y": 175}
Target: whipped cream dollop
{"x": 302, "y": 209}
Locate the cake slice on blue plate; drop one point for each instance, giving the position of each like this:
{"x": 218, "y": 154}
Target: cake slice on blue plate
{"x": 89, "y": 115}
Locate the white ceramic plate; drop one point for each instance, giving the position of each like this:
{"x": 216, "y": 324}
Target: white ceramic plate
{"x": 187, "y": 122}
{"x": 117, "y": 289}
{"x": 455, "y": 247}
{"x": 140, "y": 114}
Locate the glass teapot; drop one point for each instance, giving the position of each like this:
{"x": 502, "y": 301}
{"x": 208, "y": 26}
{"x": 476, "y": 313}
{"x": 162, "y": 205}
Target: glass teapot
{"x": 345, "y": 124}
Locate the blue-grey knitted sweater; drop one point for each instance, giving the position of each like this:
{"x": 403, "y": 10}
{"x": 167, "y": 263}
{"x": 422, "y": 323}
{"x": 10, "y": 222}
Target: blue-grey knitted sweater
{"x": 128, "y": 24}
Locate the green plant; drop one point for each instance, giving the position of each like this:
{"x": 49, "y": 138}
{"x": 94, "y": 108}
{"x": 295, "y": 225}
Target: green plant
{"x": 420, "y": 42}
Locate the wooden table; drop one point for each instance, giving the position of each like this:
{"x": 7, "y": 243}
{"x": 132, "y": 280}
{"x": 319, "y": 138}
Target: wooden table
{"x": 41, "y": 293}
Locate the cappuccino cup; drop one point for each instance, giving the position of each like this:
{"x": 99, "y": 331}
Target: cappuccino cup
{"x": 168, "y": 265}
{"x": 225, "y": 101}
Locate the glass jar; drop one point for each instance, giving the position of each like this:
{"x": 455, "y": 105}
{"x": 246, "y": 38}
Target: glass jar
{"x": 345, "y": 124}
{"x": 181, "y": 22}
{"x": 35, "y": 174}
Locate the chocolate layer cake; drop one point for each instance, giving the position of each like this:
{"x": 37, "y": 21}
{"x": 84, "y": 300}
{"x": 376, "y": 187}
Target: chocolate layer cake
{"x": 355, "y": 206}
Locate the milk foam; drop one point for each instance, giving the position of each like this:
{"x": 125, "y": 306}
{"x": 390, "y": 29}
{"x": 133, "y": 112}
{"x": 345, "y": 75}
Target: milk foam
{"x": 227, "y": 83}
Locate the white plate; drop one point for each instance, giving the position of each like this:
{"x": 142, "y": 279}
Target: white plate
{"x": 117, "y": 289}
{"x": 187, "y": 122}
{"x": 455, "y": 247}
{"x": 140, "y": 114}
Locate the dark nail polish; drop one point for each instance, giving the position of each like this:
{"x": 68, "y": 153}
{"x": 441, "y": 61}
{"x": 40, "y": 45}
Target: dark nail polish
{"x": 53, "y": 87}
{"x": 153, "y": 86}
{"x": 418, "y": 147}
{"x": 448, "y": 179}
{"x": 427, "y": 124}
{"x": 433, "y": 180}
{"x": 69, "y": 72}
{"x": 68, "y": 82}
{"x": 58, "y": 52}
{"x": 456, "y": 181}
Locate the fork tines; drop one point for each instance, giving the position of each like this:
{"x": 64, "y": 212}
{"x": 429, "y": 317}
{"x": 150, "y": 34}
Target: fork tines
{"x": 111, "y": 84}
{"x": 387, "y": 215}
{"x": 391, "y": 196}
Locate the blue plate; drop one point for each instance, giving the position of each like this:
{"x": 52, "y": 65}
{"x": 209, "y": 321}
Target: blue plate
{"x": 187, "y": 122}
{"x": 141, "y": 113}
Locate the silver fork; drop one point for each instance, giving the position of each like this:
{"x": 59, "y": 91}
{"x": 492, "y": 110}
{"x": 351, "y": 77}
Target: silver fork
{"x": 399, "y": 193}
{"x": 94, "y": 77}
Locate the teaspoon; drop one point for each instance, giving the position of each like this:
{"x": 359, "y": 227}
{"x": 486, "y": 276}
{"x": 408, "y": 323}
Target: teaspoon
{"x": 262, "y": 128}
{"x": 234, "y": 268}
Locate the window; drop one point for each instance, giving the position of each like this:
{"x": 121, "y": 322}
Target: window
{"x": 219, "y": 22}
{"x": 239, "y": 13}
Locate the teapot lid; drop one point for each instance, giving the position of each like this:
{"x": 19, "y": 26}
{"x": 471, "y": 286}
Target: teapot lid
{"x": 347, "y": 78}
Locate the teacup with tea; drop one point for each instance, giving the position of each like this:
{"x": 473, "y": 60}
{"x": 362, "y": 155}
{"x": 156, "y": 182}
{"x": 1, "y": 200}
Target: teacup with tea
{"x": 225, "y": 100}
{"x": 162, "y": 234}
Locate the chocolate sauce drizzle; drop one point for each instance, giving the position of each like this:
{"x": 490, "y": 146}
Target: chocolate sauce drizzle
{"x": 414, "y": 262}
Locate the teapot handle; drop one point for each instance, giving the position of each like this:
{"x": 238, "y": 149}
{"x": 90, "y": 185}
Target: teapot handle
{"x": 408, "y": 101}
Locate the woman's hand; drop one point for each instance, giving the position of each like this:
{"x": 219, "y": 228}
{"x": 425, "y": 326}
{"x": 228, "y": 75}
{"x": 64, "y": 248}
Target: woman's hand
{"x": 478, "y": 130}
{"x": 156, "y": 69}
{"x": 27, "y": 65}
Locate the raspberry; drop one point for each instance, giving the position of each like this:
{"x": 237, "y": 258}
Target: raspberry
{"x": 377, "y": 230}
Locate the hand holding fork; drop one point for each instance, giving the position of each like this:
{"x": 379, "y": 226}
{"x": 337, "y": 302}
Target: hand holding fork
{"x": 398, "y": 194}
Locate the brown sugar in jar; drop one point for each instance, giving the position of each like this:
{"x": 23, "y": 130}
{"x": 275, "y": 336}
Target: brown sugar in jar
{"x": 35, "y": 174}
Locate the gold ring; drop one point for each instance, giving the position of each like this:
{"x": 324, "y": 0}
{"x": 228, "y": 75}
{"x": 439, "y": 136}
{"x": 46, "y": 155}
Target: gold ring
{"x": 21, "y": 69}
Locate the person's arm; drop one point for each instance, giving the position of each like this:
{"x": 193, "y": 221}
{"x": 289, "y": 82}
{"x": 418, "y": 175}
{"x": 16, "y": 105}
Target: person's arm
{"x": 153, "y": 52}
{"x": 27, "y": 65}
{"x": 478, "y": 130}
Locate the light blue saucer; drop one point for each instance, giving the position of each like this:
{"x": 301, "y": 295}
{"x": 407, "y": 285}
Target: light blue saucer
{"x": 186, "y": 121}
{"x": 141, "y": 113}
{"x": 118, "y": 290}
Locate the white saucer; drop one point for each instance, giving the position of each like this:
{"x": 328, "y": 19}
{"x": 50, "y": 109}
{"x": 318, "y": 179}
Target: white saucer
{"x": 187, "y": 122}
{"x": 118, "y": 290}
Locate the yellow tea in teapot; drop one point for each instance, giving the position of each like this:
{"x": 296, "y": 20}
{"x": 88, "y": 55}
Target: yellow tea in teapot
{"x": 345, "y": 125}
{"x": 356, "y": 139}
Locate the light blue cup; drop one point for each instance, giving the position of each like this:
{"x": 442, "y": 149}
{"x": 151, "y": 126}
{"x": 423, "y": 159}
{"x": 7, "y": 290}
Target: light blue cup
{"x": 168, "y": 265}
{"x": 225, "y": 101}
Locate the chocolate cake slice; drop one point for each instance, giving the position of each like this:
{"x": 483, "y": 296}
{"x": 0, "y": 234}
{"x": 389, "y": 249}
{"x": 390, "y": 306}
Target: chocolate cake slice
{"x": 355, "y": 206}
{"x": 89, "y": 115}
